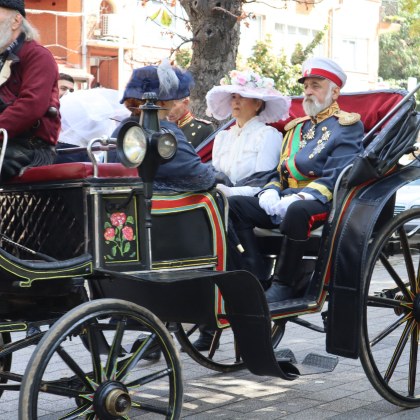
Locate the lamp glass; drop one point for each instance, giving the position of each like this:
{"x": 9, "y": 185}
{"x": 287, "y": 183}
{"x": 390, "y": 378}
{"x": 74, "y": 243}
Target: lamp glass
{"x": 166, "y": 146}
{"x": 135, "y": 145}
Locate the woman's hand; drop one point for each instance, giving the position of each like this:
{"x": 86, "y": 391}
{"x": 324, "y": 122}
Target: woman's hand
{"x": 227, "y": 191}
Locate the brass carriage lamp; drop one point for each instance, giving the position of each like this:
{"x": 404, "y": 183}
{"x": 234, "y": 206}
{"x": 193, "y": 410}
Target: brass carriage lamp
{"x": 145, "y": 145}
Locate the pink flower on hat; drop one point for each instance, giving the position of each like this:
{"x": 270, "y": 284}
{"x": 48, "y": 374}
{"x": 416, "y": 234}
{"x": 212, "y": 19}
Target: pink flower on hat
{"x": 240, "y": 79}
{"x": 247, "y": 78}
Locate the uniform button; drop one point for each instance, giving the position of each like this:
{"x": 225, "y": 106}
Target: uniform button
{"x": 193, "y": 134}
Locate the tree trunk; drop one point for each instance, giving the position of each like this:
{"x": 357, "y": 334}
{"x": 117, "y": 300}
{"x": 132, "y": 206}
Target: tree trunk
{"x": 216, "y": 35}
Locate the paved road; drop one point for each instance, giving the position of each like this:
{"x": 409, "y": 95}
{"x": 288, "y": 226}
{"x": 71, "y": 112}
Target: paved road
{"x": 343, "y": 394}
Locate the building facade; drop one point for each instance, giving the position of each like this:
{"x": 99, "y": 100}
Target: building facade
{"x": 99, "y": 42}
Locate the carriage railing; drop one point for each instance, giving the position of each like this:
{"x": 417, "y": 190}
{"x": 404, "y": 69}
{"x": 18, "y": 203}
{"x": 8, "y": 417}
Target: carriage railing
{"x": 3, "y": 146}
{"x": 106, "y": 144}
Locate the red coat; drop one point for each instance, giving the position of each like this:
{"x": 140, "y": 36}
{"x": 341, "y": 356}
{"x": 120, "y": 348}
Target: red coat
{"x": 30, "y": 90}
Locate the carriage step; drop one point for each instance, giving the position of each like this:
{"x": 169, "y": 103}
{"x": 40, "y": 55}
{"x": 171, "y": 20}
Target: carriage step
{"x": 312, "y": 363}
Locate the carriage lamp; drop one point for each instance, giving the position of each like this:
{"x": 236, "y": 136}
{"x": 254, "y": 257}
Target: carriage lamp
{"x": 144, "y": 144}
{"x": 131, "y": 144}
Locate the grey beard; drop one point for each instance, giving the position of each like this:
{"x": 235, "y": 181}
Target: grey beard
{"x": 312, "y": 107}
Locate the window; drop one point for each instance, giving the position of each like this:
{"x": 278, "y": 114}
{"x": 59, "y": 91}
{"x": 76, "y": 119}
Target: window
{"x": 353, "y": 54}
{"x": 287, "y": 36}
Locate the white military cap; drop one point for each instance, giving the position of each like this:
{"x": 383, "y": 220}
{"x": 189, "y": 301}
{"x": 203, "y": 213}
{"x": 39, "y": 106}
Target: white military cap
{"x": 324, "y": 68}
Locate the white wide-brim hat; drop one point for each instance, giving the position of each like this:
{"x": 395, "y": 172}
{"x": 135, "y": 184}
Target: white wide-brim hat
{"x": 219, "y": 102}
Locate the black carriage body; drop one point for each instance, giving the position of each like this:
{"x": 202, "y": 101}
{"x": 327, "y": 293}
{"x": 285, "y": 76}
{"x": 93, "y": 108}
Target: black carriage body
{"x": 369, "y": 209}
{"x": 103, "y": 217}
{"x": 100, "y": 221}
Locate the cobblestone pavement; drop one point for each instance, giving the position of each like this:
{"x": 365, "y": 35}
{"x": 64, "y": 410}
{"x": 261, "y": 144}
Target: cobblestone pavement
{"x": 345, "y": 393}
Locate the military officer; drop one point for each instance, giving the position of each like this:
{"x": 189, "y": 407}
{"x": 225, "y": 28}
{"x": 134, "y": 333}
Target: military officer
{"x": 195, "y": 130}
{"x": 315, "y": 149}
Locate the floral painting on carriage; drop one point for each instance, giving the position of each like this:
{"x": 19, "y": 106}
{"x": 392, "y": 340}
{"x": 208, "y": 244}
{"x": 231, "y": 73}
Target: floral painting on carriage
{"x": 119, "y": 234}
{"x": 119, "y": 231}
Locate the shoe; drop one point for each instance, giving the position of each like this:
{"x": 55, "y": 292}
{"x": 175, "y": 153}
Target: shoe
{"x": 152, "y": 354}
{"x": 32, "y": 330}
{"x": 278, "y": 292}
{"x": 266, "y": 284}
{"x": 204, "y": 341}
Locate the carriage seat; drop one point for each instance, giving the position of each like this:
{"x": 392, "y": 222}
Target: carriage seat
{"x": 73, "y": 171}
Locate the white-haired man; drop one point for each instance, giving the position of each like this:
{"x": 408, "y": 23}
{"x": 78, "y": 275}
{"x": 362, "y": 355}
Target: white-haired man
{"x": 315, "y": 149}
{"x": 28, "y": 93}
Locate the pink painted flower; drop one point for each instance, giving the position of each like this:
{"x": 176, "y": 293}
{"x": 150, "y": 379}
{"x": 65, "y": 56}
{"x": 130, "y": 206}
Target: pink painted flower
{"x": 128, "y": 233}
{"x": 118, "y": 219}
{"x": 109, "y": 234}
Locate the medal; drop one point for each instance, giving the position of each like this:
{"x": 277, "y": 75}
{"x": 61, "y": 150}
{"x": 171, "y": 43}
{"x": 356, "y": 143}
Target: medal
{"x": 309, "y": 135}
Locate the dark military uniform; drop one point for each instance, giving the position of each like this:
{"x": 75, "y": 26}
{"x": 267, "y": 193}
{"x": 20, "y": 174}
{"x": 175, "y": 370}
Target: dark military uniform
{"x": 314, "y": 152}
{"x": 195, "y": 130}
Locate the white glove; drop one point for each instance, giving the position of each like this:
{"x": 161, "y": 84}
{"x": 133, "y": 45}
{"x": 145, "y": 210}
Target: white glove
{"x": 268, "y": 200}
{"x": 227, "y": 191}
{"x": 281, "y": 207}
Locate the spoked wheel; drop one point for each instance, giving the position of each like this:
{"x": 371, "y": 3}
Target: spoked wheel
{"x": 6, "y": 361}
{"x": 92, "y": 364}
{"x": 223, "y": 355}
{"x": 390, "y": 328}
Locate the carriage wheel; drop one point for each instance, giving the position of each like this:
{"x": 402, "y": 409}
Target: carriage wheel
{"x": 224, "y": 355}
{"x": 5, "y": 362}
{"x": 91, "y": 364}
{"x": 391, "y": 316}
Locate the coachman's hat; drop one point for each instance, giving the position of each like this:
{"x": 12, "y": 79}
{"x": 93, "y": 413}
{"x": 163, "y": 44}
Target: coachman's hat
{"x": 168, "y": 82}
{"x": 323, "y": 68}
{"x": 18, "y": 5}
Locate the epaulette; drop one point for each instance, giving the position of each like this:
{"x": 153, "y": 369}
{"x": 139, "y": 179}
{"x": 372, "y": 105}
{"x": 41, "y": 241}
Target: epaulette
{"x": 203, "y": 121}
{"x": 347, "y": 118}
{"x": 295, "y": 122}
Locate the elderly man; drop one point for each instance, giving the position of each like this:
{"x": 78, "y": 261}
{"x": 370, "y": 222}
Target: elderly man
{"x": 315, "y": 150}
{"x": 28, "y": 93}
{"x": 185, "y": 172}
{"x": 195, "y": 130}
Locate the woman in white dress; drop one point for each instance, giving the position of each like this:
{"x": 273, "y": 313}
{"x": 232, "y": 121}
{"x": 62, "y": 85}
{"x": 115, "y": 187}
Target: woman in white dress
{"x": 243, "y": 154}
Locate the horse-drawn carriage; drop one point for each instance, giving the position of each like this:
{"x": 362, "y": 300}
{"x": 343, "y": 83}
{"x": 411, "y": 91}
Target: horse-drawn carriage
{"x": 96, "y": 263}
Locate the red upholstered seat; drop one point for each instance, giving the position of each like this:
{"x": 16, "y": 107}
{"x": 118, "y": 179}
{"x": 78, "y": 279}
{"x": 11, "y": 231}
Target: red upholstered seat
{"x": 76, "y": 170}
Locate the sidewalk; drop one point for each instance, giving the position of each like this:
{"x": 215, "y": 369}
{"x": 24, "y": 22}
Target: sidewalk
{"x": 345, "y": 393}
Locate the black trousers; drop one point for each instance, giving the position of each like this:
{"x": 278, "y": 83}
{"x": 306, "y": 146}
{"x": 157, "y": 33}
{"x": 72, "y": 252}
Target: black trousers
{"x": 301, "y": 217}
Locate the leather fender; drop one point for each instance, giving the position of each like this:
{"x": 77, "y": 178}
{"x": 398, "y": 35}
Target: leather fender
{"x": 348, "y": 261}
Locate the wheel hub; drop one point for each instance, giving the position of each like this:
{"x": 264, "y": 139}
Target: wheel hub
{"x": 111, "y": 400}
{"x": 416, "y": 307}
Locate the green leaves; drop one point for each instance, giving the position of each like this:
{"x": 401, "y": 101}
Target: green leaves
{"x": 162, "y": 16}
